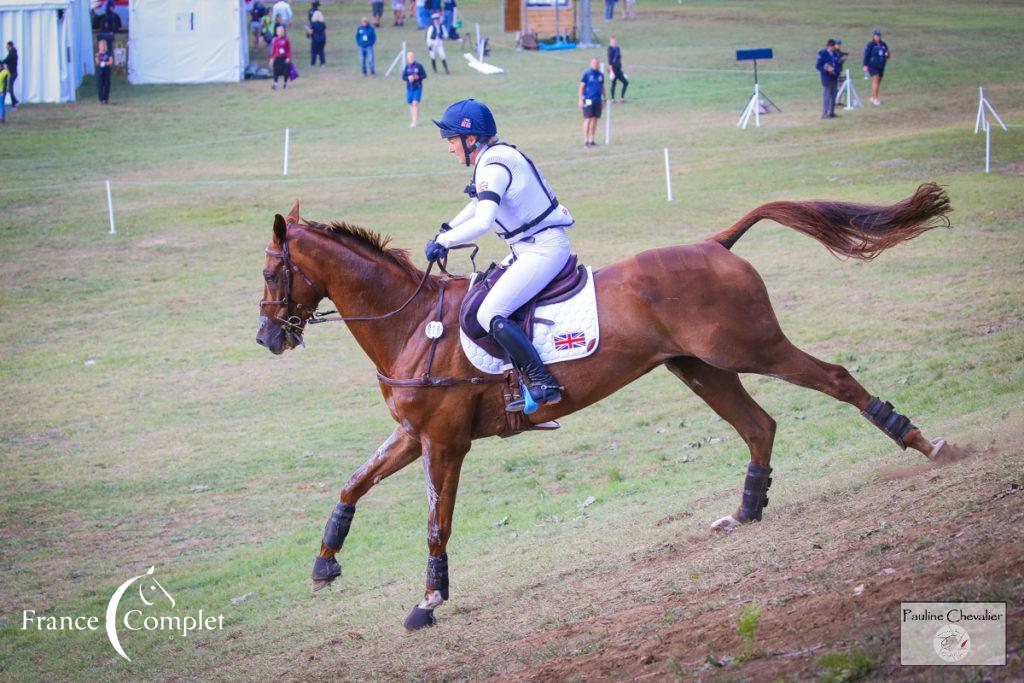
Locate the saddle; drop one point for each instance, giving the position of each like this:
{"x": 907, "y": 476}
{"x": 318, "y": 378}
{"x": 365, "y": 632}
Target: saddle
{"x": 567, "y": 284}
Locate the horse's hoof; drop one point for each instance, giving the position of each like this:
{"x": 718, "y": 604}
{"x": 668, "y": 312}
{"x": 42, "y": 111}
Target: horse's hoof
{"x": 937, "y": 445}
{"x": 325, "y": 570}
{"x": 726, "y": 524}
{"x": 419, "y": 618}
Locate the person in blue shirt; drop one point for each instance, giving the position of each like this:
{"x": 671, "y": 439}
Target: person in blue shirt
{"x": 449, "y": 18}
{"x": 876, "y": 54}
{"x": 591, "y": 99}
{"x": 828, "y": 66}
{"x": 413, "y": 75}
{"x": 366, "y": 38}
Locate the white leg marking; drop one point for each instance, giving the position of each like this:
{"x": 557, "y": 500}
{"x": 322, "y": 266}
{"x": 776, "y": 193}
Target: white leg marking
{"x": 726, "y": 524}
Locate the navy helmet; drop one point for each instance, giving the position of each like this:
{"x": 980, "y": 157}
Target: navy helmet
{"x": 467, "y": 117}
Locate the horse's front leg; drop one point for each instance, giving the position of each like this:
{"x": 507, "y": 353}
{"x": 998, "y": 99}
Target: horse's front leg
{"x": 399, "y": 450}
{"x": 442, "y": 464}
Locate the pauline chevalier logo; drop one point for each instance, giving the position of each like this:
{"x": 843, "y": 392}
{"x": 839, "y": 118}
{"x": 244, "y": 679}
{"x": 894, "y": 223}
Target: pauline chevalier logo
{"x": 154, "y": 598}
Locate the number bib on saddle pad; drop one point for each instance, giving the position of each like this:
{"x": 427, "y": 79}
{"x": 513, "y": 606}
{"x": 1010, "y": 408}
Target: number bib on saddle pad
{"x": 564, "y": 330}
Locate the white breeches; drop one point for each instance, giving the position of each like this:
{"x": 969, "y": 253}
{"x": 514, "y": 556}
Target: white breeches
{"x": 436, "y": 48}
{"x": 537, "y": 263}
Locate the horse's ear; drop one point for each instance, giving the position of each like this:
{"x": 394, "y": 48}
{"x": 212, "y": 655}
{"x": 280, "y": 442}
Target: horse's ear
{"x": 293, "y": 215}
{"x": 280, "y": 228}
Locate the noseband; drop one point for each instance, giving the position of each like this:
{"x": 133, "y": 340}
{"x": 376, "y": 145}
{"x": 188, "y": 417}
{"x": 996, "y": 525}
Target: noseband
{"x": 293, "y": 323}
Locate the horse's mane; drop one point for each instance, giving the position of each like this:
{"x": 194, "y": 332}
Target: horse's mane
{"x": 372, "y": 240}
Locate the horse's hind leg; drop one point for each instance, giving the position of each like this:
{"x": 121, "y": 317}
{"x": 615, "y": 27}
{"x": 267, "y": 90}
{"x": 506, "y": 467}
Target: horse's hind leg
{"x": 399, "y": 450}
{"x": 722, "y": 390}
{"x": 785, "y": 361}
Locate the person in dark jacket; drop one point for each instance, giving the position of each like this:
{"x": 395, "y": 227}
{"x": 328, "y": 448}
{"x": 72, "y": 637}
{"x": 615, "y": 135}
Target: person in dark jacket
{"x": 876, "y": 54}
{"x": 317, "y": 33}
{"x": 11, "y": 60}
{"x": 828, "y": 66}
{"x": 615, "y": 63}
{"x": 366, "y": 38}
{"x": 104, "y": 64}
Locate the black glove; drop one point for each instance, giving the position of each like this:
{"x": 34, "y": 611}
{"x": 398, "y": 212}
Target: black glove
{"x": 434, "y": 251}
{"x": 445, "y": 227}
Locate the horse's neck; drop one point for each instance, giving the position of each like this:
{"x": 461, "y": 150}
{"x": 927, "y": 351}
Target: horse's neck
{"x": 365, "y": 284}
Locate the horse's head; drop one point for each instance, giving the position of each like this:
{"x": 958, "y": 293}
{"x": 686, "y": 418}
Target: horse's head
{"x": 289, "y": 296}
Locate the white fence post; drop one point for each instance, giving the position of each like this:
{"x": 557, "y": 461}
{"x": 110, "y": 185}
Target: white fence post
{"x": 287, "y": 135}
{"x": 110, "y": 210}
{"x": 668, "y": 176}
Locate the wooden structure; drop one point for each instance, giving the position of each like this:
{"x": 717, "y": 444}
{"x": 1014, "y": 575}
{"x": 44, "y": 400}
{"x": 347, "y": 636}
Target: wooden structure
{"x": 538, "y": 16}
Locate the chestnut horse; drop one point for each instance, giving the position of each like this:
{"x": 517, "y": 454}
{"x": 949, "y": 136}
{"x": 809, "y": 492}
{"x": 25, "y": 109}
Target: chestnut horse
{"x": 699, "y": 310}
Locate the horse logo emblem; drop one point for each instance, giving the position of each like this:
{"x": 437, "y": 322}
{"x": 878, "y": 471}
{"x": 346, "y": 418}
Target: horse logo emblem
{"x": 952, "y": 643}
{"x": 151, "y": 588}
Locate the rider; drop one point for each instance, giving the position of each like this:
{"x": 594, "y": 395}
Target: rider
{"x": 511, "y": 196}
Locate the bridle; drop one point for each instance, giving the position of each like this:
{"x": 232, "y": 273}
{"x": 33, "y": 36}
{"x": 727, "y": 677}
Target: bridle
{"x": 294, "y": 321}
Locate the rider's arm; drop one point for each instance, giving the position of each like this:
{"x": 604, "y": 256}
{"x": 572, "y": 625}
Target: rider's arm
{"x": 492, "y": 181}
{"x": 464, "y": 215}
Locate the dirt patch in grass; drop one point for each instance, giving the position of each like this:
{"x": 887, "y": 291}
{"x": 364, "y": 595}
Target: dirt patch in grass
{"x": 828, "y": 574}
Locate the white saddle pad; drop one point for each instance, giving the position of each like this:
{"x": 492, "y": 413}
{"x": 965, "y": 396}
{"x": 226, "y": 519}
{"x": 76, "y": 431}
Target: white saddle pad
{"x": 574, "y": 334}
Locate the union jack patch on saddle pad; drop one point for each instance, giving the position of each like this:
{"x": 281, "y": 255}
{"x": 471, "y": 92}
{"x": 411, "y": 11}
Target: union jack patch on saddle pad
{"x": 572, "y": 340}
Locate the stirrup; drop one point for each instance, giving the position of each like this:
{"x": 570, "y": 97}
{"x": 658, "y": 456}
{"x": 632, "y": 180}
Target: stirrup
{"x": 528, "y": 404}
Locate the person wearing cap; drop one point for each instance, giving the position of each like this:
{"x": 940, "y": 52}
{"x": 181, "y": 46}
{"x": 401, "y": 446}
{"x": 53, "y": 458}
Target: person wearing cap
{"x": 876, "y": 54}
{"x": 413, "y": 75}
{"x": 437, "y": 33}
{"x": 366, "y": 38}
{"x": 508, "y": 194}
{"x": 828, "y": 66}
{"x": 591, "y": 99}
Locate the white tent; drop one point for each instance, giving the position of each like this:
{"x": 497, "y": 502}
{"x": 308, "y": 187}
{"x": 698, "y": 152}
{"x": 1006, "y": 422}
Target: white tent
{"x": 54, "y": 43}
{"x": 187, "y": 41}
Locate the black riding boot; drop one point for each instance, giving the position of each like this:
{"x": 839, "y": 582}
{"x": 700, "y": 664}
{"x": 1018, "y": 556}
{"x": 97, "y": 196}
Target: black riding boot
{"x": 445, "y": 63}
{"x": 433, "y": 63}
{"x": 543, "y": 387}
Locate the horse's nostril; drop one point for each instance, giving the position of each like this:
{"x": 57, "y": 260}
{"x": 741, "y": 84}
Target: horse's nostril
{"x": 260, "y": 342}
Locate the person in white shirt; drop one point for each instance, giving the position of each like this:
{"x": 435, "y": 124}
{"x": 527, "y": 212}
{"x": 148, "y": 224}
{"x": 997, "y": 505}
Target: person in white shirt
{"x": 437, "y": 33}
{"x": 510, "y": 196}
{"x": 282, "y": 13}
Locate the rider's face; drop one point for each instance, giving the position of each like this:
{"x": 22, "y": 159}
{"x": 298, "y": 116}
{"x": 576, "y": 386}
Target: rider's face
{"x": 455, "y": 147}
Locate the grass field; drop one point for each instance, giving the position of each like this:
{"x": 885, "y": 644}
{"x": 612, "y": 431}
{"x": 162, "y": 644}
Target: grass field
{"x": 141, "y": 425}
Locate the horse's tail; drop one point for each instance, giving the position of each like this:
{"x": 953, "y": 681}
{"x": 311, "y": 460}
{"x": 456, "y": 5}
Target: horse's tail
{"x": 855, "y": 230}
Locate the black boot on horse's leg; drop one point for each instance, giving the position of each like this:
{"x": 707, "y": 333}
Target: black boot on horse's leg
{"x": 899, "y": 428}
{"x": 422, "y": 615}
{"x": 755, "y": 492}
{"x": 543, "y": 387}
{"x": 327, "y": 569}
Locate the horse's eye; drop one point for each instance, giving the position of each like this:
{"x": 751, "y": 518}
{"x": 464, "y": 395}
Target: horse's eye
{"x": 269, "y": 277}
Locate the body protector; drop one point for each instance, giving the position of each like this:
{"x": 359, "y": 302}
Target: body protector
{"x": 507, "y": 194}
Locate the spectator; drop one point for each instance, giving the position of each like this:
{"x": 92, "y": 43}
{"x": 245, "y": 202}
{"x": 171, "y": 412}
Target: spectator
{"x": 422, "y": 15}
{"x": 615, "y": 63}
{"x": 449, "y": 17}
{"x": 281, "y": 57}
{"x": 11, "y": 60}
{"x": 629, "y": 9}
{"x": 366, "y": 38}
{"x": 413, "y": 75}
{"x": 377, "y": 11}
{"x": 104, "y": 63}
{"x": 436, "y": 35}
{"x": 609, "y": 10}
{"x": 282, "y": 14}
{"x": 317, "y": 33}
{"x": 314, "y": 7}
{"x": 591, "y": 98}
{"x": 267, "y": 29}
{"x": 826, "y": 65}
{"x": 5, "y": 76}
{"x": 109, "y": 17}
{"x": 398, "y": 9}
{"x": 256, "y": 14}
{"x": 876, "y": 54}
